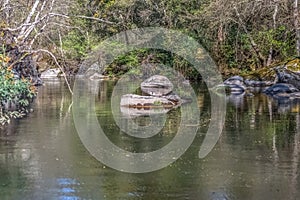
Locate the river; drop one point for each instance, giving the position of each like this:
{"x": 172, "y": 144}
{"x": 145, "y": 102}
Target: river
{"x": 256, "y": 157}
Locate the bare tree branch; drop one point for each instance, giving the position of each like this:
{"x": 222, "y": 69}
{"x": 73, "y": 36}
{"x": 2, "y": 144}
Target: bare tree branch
{"x": 252, "y": 42}
{"x": 28, "y": 19}
{"x": 43, "y": 27}
{"x": 59, "y": 66}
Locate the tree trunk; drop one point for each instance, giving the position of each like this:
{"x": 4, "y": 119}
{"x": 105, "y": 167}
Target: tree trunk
{"x": 28, "y": 19}
{"x": 254, "y": 46}
{"x": 270, "y": 57}
{"x": 6, "y": 10}
{"x": 296, "y": 25}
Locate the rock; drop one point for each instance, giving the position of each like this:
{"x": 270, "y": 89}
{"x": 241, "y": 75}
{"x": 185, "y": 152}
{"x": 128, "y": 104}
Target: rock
{"x": 145, "y": 102}
{"x": 96, "y": 76}
{"x": 157, "y": 85}
{"x": 235, "y": 80}
{"x": 280, "y": 88}
{"x": 295, "y": 95}
{"x": 235, "y": 85}
{"x": 231, "y": 89}
{"x": 236, "y": 89}
{"x": 135, "y": 112}
{"x": 93, "y": 69}
{"x": 253, "y": 83}
{"x": 288, "y": 97}
{"x": 50, "y": 73}
{"x": 288, "y": 76}
{"x": 174, "y": 98}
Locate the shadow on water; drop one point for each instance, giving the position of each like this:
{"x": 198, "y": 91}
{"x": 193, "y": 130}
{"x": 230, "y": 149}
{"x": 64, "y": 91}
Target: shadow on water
{"x": 257, "y": 156}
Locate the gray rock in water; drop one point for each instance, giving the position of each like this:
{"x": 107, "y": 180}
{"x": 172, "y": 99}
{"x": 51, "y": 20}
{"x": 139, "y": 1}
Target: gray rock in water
{"x": 92, "y": 70}
{"x": 157, "y": 85}
{"x": 235, "y": 85}
{"x": 145, "y": 102}
{"x": 253, "y": 83}
{"x": 287, "y": 76}
{"x": 97, "y": 76}
{"x": 129, "y": 112}
{"x": 236, "y": 89}
{"x": 235, "y": 80}
{"x": 50, "y": 73}
{"x": 231, "y": 88}
{"x": 295, "y": 95}
{"x": 280, "y": 88}
{"x": 174, "y": 98}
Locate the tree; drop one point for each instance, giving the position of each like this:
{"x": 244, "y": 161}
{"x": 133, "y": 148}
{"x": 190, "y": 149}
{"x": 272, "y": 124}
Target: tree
{"x": 296, "y": 26}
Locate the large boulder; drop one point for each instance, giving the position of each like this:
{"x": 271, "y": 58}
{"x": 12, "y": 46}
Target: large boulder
{"x": 280, "y": 88}
{"x": 128, "y": 112}
{"x": 145, "y": 102}
{"x": 157, "y": 85}
{"x": 287, "y": 76}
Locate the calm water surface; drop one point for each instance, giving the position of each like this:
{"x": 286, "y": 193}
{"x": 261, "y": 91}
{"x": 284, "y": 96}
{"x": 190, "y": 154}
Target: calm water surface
{"x": 257, "y": 156}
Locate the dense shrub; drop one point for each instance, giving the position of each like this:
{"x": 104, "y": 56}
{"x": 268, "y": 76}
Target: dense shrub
{"x": 15, "y": 92}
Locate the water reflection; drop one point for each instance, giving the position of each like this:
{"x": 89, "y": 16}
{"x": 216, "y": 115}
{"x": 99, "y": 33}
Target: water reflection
{"x": 257, "y": 157}
{"x": 66, "y": 188}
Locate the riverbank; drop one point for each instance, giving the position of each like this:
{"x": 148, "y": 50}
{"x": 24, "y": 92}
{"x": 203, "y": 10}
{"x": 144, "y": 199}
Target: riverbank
{"x": 16, "y": 92}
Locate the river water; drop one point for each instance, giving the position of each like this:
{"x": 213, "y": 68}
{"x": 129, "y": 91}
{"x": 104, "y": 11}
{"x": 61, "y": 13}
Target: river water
{"x": 256, "y": 157}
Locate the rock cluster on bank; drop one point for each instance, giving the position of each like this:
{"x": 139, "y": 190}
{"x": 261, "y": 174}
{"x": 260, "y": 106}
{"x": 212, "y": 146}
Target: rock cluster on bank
{"x": 286, "y": 85}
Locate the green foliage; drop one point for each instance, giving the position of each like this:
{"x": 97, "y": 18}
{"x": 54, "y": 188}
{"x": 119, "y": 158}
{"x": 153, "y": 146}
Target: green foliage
{"x": 75, "y": 44}
{"x": 215, "y": 26}
{"x": 14, "y": 91}
{"x": 277, "y": 39}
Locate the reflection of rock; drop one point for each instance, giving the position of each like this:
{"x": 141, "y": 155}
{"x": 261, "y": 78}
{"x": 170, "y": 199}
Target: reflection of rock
{"x": 145, "y": 102}
{"x": 287, "y": 97}
{"x": 287, "y": 102}
{"x": 50, "y": 73}
{"x": 157, "y": 86}
{"x": 280, "y": 88}
{"x": 232, "y": 88}
{"x": 236, "y": 100}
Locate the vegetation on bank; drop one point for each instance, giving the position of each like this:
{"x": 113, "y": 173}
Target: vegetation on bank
{"x": 241, "y": 36}
{"x": 15, "y": 93}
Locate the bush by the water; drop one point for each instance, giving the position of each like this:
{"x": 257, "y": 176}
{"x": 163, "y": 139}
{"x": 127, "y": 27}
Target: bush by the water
{"x": 15, "y": 92}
